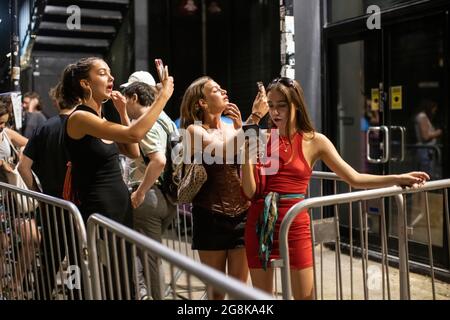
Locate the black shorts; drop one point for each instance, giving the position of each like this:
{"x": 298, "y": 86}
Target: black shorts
{"x": 214, "y": 231}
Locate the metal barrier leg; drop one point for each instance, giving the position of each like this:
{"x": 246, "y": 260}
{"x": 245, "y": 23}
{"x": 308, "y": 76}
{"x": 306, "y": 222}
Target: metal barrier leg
{"x": 363, "y": 260}
{"x": 385, "y": 251}
{"x": 402, "y": 243}
{"x": 430, "y": 245}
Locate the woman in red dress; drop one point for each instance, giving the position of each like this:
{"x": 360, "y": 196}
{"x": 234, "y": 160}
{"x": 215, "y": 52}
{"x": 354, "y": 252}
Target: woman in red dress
{"x": 297, "y": 148}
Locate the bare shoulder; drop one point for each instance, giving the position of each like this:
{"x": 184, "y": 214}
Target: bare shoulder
{"x": 11, "y": 133}
{"x": 315, "y": 138}
{"x": 196, "y": 129}
{"x": 318, "y": 143}
{"x": 8, "y": 131}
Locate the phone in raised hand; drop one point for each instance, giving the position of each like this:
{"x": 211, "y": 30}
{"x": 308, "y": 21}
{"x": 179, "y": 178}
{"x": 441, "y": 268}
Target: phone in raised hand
{"x": 261, "y": 87}
{"x": 160, "y": 69}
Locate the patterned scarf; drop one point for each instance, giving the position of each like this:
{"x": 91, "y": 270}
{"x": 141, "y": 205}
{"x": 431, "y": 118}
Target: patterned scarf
{"x": 266, "y": 224}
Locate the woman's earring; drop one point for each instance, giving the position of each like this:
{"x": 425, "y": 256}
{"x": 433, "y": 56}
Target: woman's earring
{"x": 90, "y": 96}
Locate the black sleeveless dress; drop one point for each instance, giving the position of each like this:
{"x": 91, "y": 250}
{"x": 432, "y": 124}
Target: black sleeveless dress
{"x": 97, "y": 177}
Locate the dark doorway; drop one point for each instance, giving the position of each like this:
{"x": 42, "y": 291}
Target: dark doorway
{"x": 378, "y": 85}
{"x": 235, "y": 42}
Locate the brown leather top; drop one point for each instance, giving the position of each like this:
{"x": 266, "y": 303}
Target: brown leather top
{"x": 221, "y": 193}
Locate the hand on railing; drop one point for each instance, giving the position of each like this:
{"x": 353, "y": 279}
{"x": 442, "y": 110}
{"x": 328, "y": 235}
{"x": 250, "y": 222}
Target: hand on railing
{"x": 415, "y": 179}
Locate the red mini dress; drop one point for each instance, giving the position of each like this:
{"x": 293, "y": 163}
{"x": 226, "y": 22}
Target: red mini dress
{"x": 292, "y": 177}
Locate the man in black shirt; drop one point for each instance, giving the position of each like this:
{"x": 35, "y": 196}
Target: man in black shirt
{"x": 46, "y": 155}
{"x": 33, "y": 117}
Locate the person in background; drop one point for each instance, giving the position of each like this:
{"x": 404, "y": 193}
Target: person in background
{"x": 45, "y": 153}
{"x": 32, "y": 113}
{"x": 427, "y": 152}
{"x": 22, "y": 230}
{"x": 153, "y": 210}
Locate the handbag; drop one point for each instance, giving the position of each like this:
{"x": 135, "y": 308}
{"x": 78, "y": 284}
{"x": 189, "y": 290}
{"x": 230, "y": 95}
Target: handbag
{"x": 192, "y": 180}
{"x": 69, "y": 193}
{"x": 24, "y": 203}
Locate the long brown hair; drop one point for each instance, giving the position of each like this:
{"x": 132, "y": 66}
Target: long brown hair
{"x": 293, "y": 92}
{"x": 190, "y": 110}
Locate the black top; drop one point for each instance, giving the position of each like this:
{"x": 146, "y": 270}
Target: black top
{"x": 46, "y": 149}
{"x": 31, "y": 122}
{"x": 97, "y": 177}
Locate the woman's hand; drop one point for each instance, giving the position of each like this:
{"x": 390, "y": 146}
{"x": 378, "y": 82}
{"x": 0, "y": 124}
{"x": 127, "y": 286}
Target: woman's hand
{"x": 232, "y": 111}
{"x": 119, "y": 101}
{"x": 166, "y": 87}
{"x": 260, "y": 106}
{"x": 413, "y": 179}
{"x": 136, "y": 199}
{"x": 6, "y": 166}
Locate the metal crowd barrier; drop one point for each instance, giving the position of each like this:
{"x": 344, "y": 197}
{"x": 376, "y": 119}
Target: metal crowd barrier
{"x": 178, "y": 237}
{"x": 43, "y": 247}
{"x": 114, "y": 251}
{"x": 321, "y": 183}
{"x": 325, "y": 230}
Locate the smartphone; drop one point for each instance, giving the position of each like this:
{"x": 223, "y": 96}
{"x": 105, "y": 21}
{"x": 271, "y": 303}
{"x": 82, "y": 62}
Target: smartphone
{"x": 160, "y": 69}
{"x": 261, "y": 87}
{"x": 251, "y": 129}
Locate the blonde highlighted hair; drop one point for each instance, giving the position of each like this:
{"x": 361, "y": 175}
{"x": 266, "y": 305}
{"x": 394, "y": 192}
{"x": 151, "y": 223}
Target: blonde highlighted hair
{"x": 190, "y": 110}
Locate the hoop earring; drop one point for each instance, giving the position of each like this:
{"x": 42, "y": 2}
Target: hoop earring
{"x": 90, "y": 96}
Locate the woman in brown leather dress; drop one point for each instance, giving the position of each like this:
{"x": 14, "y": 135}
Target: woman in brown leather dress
{"x": 219, "y": 209}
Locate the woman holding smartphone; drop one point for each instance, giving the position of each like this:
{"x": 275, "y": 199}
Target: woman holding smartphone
{"x": 219, "y": 209}
{"x": 299, "y": 147}
{"x": 94, "y": 143}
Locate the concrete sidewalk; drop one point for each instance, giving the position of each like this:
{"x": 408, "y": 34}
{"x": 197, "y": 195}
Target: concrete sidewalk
{"x": 421, "y": 287}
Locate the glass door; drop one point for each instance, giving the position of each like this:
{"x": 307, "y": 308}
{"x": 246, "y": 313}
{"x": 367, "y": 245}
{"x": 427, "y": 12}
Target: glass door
{"x": 360, "y": 133}
{"x": 388, "y": 90}
{"x": 417, "y": 92}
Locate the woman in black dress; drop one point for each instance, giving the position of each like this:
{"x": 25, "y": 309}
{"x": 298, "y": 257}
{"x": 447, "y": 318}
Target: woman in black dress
{"x": 94, "y": 143}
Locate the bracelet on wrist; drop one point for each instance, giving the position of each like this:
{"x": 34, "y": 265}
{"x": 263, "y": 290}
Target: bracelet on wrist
{"x": 256, "y": 114}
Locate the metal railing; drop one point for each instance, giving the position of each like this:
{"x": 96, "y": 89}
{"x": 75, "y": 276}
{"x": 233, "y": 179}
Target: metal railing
{"x": 38, "y": 248}
{"x": 321, "y": 183}
{"x": 43, "y": 247}
{"x": 106, "y": 236}
{"x": 332, "y": 233}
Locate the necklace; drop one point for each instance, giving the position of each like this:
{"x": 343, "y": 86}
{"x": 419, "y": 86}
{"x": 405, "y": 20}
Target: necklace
{"x": 285, "y": 144}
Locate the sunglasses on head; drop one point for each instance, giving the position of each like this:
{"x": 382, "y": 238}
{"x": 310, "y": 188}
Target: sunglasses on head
{"x": 288, "y": 82}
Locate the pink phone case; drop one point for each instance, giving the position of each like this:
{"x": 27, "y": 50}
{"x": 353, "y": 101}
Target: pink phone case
{"x": 160, "y": 69}
{"x": 261, "y": 87}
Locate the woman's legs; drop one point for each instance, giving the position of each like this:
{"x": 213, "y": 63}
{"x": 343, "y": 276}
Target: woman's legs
{"x": 31, "y": 239}
{"x": 302, "y": 282}
{"x": 237, "y": 264}
{"x": 262, "y": 280}
{"x": 27, "y": 231}
{"x": 234, "y": 260}
{"x": 4, "y": 245}
{"x": 215, "y": 259}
